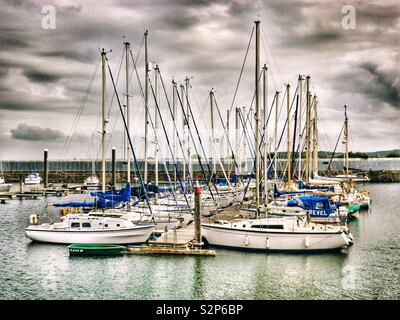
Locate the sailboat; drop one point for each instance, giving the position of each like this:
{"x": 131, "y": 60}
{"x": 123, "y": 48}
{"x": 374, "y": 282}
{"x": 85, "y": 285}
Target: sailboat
{"x": 92, "y": 181}
{"x": 32, "y": 178}
{"x": 86, "y": 228}
{"x": 4, "y": 187}
{"x": 287, "y": 233}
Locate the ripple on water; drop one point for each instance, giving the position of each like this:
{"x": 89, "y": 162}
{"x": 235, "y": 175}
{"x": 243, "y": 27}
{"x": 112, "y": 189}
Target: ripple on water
{"x": 367, "y": 270}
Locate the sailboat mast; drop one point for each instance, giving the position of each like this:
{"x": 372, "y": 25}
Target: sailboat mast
{"x": 265, "y": 107}
{"x": 346, "y": 136}
{"x": 276, "y": 137}
{"x": 146, "y": 101}
{"x": 174, "y": 115}
{"x": 315, "y": 136}
{"x": 189, "y": 150}
{"x": 227, "y": 144}
{"x": 128, "y": 111}
{"x": 237, "y": 140}
{"x": 308, "y": 129}
{"x": 156, "y": 124}
{"x": 257, "y": 116}
{"x": 289, "y": 156}
{"x": 184, "y": 133}
{"x": 300, "y": 84}
{"x": 212, "y": 132}
{"x": 104, "y": 121}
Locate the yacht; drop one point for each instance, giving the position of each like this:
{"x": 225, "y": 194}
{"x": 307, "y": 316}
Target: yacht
{"x": 33, "y": 178}
{"x": 280, "y": 234}
{"x": 4, "y": 187}
{"x": 83, "y": 228}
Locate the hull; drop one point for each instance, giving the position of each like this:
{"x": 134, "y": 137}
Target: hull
{"x": 95, "y": 250}
{"x": 32, "y": 181}
{"x": 137, "y": 234}
{"x": 279, "y": 241}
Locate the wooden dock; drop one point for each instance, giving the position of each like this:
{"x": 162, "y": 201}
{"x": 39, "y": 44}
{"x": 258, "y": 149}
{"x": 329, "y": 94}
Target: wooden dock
{"x": 176, "y": 237}
{"x": 155, "y": 249}
{"x": 173, "y": 242}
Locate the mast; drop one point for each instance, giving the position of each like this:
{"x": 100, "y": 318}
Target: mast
{"x": 244, "y": 153}
{"x": 227, "y": 144}
{"x": 346, "y": 137}
{"x": 156, "y": 124}
{"x": 315, "y": 136}
{"x": 276, "y": 137}
{"x": 300, "y": 80}
{"x": 174, "y": 115}
{"x": 104, "y": 120}
{"x": 128, "y": 111}
{"x": 257, "y": 117}
{"x": 308, "y": 113}
{"x": 289, "y": 157}
{"x": 184, "y": 133}
{"x": 265, "y": 107}
{"x": 146, "y": 101}
{"x": 237, "y": 140}
{"x": 212, "y": 132}
{"x": 189, "y": 150}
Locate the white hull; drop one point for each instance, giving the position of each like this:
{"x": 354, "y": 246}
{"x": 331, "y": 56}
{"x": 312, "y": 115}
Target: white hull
{"x": 262, "y": 240}
{"x": 5, "y": 187}
{"x": 32, "y": 181}
{"x": 137, "y": 234}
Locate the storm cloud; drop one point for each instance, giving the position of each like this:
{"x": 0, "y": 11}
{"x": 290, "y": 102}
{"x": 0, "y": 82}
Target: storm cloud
{"x": 34, "y": 133}
{"x": 51, "y": 80}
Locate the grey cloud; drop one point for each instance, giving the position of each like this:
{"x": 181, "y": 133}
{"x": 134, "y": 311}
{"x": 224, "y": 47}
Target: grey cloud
{"x": 382, "y": 85}
{"x": 34, "y": 133}
{"x": 39, "y": 76}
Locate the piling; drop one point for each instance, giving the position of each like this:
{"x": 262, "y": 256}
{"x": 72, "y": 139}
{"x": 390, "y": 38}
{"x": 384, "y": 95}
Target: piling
{"x": 197, "y": 215}
{"x": 21, "y": 184}
{"x": 45, "y": 168}
{"x": 113, "y": 169}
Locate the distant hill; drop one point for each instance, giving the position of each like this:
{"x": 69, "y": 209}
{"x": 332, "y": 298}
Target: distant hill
{"x": 383, "y": 153}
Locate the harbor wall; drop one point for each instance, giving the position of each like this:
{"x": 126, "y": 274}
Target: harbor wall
{"x": 75, "y": 171}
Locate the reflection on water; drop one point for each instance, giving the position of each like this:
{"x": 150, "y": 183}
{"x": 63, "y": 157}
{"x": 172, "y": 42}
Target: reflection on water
{"x": 368, "y": 269}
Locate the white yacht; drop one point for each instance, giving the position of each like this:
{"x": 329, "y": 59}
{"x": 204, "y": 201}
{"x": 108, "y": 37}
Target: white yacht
{"x": 282, "y": 234}
{"x": 4, "y": 187}
{"x": 92, "y": 181}
{"x": 33, "y": 178}
{"x": 83, "y": 228}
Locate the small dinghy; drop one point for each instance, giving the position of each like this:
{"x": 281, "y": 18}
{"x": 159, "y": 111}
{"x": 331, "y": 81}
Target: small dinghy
{"x": 95, "y": 250}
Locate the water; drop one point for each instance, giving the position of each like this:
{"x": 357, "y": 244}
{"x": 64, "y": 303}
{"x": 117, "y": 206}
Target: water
{"x": 367, "y": 270}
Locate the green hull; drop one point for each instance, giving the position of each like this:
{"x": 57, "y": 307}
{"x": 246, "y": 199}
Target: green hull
{"x": 95, "y": 249}
{"x": 354, "y": 208}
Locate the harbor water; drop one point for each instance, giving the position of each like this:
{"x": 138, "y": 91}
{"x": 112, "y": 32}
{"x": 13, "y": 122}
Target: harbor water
{"x": 370, "y": 269}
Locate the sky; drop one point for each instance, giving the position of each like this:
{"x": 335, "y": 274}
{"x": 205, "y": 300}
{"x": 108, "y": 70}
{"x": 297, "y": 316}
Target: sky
{"x": 48, "y": 100}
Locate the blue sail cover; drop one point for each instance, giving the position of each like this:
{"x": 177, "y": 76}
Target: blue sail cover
{"x": 318, "y": 206}
{"x": 103, "y": 200}
{"x": 124, "y": 195}
{"x": 278, "y": 193}
{"x": 99, "y": 203}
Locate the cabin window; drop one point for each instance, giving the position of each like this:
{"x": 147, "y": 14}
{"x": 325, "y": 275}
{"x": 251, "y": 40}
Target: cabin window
{"x": 268, "y": 226}
{"x": 75, "y": 225}
{"x": 106, "y": 225}
{"x": 117, "y": 224}
{"x": 86, "y": 225}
